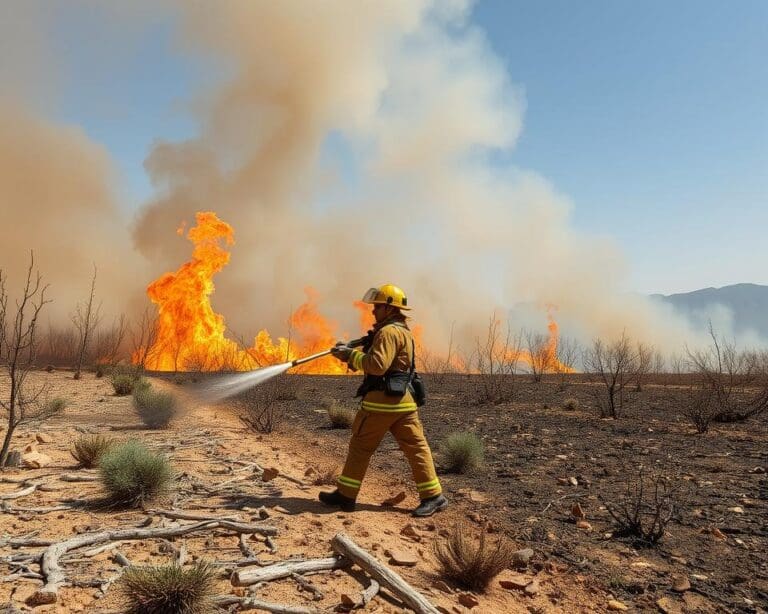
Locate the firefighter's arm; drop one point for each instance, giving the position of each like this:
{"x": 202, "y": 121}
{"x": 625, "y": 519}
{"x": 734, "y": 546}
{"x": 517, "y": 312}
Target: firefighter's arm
{"x": 379, "y": 358}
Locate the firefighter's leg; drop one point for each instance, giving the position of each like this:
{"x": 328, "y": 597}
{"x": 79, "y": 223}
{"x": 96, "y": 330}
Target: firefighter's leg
{"x": 410, "y": 437}
{"x": 368, "y": 429}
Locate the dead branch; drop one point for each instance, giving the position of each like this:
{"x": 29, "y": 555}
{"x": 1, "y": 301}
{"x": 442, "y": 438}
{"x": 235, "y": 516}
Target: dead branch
{"x": 306, "y": 585}
{"x": 365, "y": 596}
{"x": 54, "y": 574}
{"x": 251, "y": 603}
{"x": 343, "y": 545}
{"x": 284, "y": 569}
{"x": 23, "y": 492}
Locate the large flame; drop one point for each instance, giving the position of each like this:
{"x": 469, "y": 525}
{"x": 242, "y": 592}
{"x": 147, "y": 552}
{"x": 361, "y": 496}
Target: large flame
{"x": 190, "y": 336}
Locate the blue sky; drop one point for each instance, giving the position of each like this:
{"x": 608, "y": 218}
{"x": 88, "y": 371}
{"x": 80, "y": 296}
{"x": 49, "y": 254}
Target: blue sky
{"x": 650, "y": 116}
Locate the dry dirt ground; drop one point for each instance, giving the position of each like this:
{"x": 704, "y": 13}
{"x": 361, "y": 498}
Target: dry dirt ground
{"x": 524, "y": 491}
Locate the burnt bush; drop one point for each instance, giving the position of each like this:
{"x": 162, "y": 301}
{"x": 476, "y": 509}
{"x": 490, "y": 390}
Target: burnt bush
{"x": 469, "y": 560}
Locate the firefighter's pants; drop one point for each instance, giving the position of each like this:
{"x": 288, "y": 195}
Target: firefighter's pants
{"x": 368, "y": 430}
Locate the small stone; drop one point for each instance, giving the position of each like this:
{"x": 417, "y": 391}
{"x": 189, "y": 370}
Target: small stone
{"x": 563, "y": 481}
{"x": 35, "y": 460}
{"x": 263, "y": 513}
{"x": 269, "y": 474}
{"x": 717, "y": 533}
{"x": 521, "y": 557}
{"x": 410, "y": 531}
{"x": 680, "y": 584}
{"x": 281, "y": 509}
{"x": 736, "y": 509}
{"x": 583, "y": 525}
{"x": 392, "y": 501}
{"x": 573, "y": 481}
{"x": 699, "y": 577}
{"x": 562, "y": 457}
{"x": 514, "y": 582}
{"x": 402, "y": 558}
{"x": 759, "y": 470}
{"x": 577, "y": 512}
{"x": 532, "y": 588}
{"x": 347, "y": 601}
{"x": 640, "y": 565}
{"x": 616, "y": 606}
{"x": 43, "y": 597}
{"x": 44, "y": 438}
{"x": 310, "y": 472}
{"x": 468, "y": 600}
{"x": 669, "y": 606}
{"x": 476, "y": 497}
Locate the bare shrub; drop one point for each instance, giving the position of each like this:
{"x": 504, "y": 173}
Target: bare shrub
{"x": 108, "y": 343}
{"x": 155, "y": 407}
{"x": 326, "y": 476}
{"x": 132, "y": 474}
{"x": 21, "y": 401}
{"x": 567, "y": 353}
{"x": 647, "y": 506}
{"x": 736, "y": 381}
{"x": 615, "y": 364}
{"x": 168, "y": 589}
{"x": 143, "y": 337}
{"x": 260, "y": 406}
{"x": 86, "y": 319}
{"x": 88, "y": 449}
{"x": 122, "y": 383}
{"x": 469, "y": 560}
{"x": 436, "y": 366}
{"x": 540, "y": 354}
{"x": 462, "y": 452}
{"x": 495, "y": 361}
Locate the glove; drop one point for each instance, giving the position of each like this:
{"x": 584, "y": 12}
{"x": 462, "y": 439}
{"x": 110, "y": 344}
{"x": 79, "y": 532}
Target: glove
{"x": 341, "y": 351}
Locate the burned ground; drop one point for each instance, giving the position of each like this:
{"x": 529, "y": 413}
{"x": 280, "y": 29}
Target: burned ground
{"x": 540, "y": 459}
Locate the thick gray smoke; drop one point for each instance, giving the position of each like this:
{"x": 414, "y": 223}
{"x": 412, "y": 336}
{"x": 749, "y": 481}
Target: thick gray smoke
{"x": 347, "y": 143}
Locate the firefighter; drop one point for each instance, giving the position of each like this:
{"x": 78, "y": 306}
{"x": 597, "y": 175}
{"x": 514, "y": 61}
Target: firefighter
{"x": 388, "y": 405}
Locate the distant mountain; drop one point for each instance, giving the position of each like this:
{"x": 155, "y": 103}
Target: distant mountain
{"x": 747, "y": 304}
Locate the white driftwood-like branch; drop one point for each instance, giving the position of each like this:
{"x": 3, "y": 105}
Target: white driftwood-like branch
{"x": 251, "y": 603}
{"x": 54, "y": 574}
{"x": 342, "y": 544}
{"x": 246, "y": 577}
{"x": 369, "y": 593}
{"x": 22, "y": 492}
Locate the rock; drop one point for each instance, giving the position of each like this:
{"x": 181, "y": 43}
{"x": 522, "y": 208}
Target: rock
{"x": 392, "y": 501}
{"x": 514, "y": 582}
{"x": 263, "y": 513}
{"x": 281, "y": 509}
{"x": 43, "y": 438}
{"x": 640, "y": 565}
{"x": 583, "y": 525}
{"x": 35, "y": 460}
{"x": 347, "y": 601}
{"x": 42, "y": 597}
{"x": 669, "y": 606}
{"x": 309, "y": 473}
{"x": 759, "y": 470}
{"x": 468, "y": 600}
{"x": 442, "y": 586}
{"x": 476, "y": 497}
{"x": 736, "y": 510}
{"x": 269, "y": 474}
{"x": 717, "y": 533}
{"x": 402, "y": 558}
{"x": 699, "y": 577}
{"x": 532, "y": 588}
{"x": 573, "y": 481}
{"x": 563, "y": 481}
{"x": 616, "y": 606}
{"x": 410, "y": 531}
{"x": 577, "y": 512}
{"x": 562, "y": 457}
{"x": 680, "y": 584}
{"x": 521, "y": 557}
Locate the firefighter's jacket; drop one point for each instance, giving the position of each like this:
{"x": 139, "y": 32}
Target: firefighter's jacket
{"x": 391, "y": 350}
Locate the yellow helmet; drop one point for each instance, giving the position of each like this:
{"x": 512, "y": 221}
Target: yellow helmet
{"x": 386, "y": 295}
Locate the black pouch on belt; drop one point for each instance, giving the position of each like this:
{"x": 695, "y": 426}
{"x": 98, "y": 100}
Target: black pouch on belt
{"x": 396, "y": 383}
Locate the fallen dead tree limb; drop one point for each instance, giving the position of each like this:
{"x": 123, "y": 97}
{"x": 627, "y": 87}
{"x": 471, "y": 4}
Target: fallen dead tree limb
{"x": 74, "y": 477}
{"x": 365, "y": 596}
{"x": 22, "y": 492}
{"x": 250, "y": 603}
{"x": 306, "y": 585}
{"x": 54, "y": 574}
{"x": 343, "y": 545}
{"x": 246, "y": 577}
{"x": 180, "y": 515}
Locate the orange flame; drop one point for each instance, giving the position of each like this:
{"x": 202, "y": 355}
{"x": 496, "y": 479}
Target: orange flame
{"x": 190, "y": 336}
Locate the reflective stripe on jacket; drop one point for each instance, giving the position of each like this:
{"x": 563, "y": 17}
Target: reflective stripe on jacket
{"x": 391, "y": 350}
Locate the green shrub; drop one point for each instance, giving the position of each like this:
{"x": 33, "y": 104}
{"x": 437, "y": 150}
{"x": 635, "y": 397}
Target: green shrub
{"x": 155, "y": 408}
{"x": 341, "y": 417}
{"x": 462, "y": 452}
{"x": 168, "y": 589}
{"x": 54, "y": 406}
{"x": 123, "y": 384}
{"x": 469, "y": 561}
{"x": 132, "y": 474}
{"x": 89, "y": 449}
{"x": 571, "y": 404}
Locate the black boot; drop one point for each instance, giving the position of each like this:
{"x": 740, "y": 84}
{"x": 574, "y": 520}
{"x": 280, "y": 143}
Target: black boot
{"x": 335, "y": 498}
{"x": 427, "y": 507}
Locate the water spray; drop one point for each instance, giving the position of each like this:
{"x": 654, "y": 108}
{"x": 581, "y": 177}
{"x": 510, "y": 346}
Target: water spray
{"x": 230, "y": 385}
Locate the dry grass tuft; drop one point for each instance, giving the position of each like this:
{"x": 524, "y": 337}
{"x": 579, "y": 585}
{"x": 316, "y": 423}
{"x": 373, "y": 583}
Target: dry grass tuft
{"x": 571, "y": 404}
{"x": 341, "y": 417}
{"x": 132, "y": 474}
{"x": 168, "y": 589}
{"x": 326, "y": 476}
{"x": 462, "y": 452}
{"x": 89, "y": 449}
{"x": 469, "y": 560}
{"x": 155, "y": 408}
